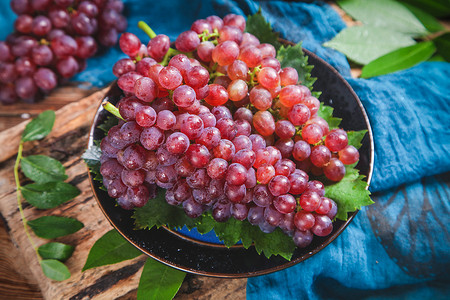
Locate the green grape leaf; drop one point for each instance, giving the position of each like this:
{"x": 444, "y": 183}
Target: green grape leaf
{"x": 384, "y": 13}
{"x": 50, "y": 227}
{"x": 39, "y": 127}
{"x": 159, "y": 281}
{"x": 355, "y": 138}
{"x": 110, "y": 122}
{"x": 293, "y": 56}
{"x": 54, "y": 250}
{"x": 55, "y": 270}
{"x": 43, "y": 169}
{"x": 350, "y": 193}
{"x": 48, "y": 195}
{"x": 111, "y": 248}
{"x": 399, "y": 59}
{"x": 92, "y": 159}
{"x": 326, "y": 113}
{"x": 259, "y": 27}
{"x": 157, "y": 212}
{"x": 363, "y": 44}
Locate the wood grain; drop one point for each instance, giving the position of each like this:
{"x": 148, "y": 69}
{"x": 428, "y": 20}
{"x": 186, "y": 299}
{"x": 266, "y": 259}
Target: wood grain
{"x": 66, "y": 143}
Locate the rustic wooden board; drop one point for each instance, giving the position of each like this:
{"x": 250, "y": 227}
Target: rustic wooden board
{"x": 66, "y": 143}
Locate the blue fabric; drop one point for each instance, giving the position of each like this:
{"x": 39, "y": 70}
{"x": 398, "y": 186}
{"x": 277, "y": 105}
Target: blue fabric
{"x": 395, "y": 248}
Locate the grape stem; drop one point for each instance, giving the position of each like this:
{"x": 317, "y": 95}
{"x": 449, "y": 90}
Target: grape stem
{"x": 19, "y": 199}
{"x": 112, "y": 109}
{"x": 252, "y": 74}
{"x": 144, "y": 26}
{"x": 205, "y": 35}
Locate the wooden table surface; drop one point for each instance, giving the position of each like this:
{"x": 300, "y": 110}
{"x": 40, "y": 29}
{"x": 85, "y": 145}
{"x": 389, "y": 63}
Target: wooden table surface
{"x": 17, "y": 282}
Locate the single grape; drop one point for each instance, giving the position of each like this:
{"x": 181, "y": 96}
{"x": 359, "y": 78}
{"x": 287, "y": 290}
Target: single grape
{"x": 320, "y": 155}
{"x": 133, "y": 178}
{"x": 335, "y": 170}
{"x": 187, "y": 41}
{"x": 170, "y": 78}
{"x": 264, "y": 123}
{"x": 285, "y": 204}
{"x": 349, "y": 155}
{"x": 218, "y": 95}
{"x": 298, "y": 182}
{"x": 272, "y": 216}
{"x": 184, "y": 96}
{"x": 177, "y": 143}
{"x": 158, "y": 46}
{"x": 302, "y": 239}
{"x": 199, "y": 179}
{"x": 312, "y": 134}
{"x": 210, "y": 137}
{"x": 262, "y": 196}
{"x": 129, "y": 43}
{"x": 260, "y": 98}
{"x": 268, "y": 78}
{"x": 151, "y": 138}
{"x": 336, "y": 140}
{"x": 322, "y": 226}
{"x": 225, "y": 53}
{"x": 45, "y": 79}
{"x": 299, "y": 114}
{"x": 279, "y": 185}
{"x": 255, "y": 215}
{"x": 310, "y": 201}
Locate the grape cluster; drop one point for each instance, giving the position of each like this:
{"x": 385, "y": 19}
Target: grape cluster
{"x": 51, "y": 42}
{"x": 222, "y": 127}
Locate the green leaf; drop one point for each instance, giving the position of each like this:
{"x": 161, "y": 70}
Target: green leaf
{"x": 399, "y": 59}
{"x": 55, "y": 269}
{"x": 158, "y": 281}
{"x": 384, "y": 13}
{"x": 92, "y": 159}
{"x": 443, "y": 45}
{"x": 58, "y": 251}
{"x": 350, "y": 193}
{"x": 326, "y": 113}
{"x": 48, "y": 195}
{"x": 111, "y": 248}
{"x": 157, "y": 212}
{"x": 39, "y": 127}
{"x": 259, "y": 27}
{"x": 110, "y": 122}
{"x": 92, "y": 155}
{"x": 43, "y": 169}
{"x": 430, "y": 22}
{"x": 50, "y": 227}
{"x": 437, "y": 8}
{"x": 362, "y": 44}
{"x": 355, "y": 138}
{"x": 293, "y": 56}
{"x": 437, "y": 57}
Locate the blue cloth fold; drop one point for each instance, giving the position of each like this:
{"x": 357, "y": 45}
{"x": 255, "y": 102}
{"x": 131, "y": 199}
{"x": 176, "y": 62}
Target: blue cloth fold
{"x": 395, "y": 248}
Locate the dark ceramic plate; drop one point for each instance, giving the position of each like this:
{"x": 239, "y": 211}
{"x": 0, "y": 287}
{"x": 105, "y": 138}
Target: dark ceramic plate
{"x": 187, "y": 254}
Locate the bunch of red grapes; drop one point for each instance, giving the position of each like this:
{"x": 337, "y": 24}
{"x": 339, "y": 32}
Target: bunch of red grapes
{"x": 51, "y": 42}
{"x": 222, "y": 127}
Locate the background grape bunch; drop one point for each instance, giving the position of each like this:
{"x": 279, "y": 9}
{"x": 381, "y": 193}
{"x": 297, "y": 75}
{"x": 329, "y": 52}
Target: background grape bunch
{"x": 223, "y": 128}
{"x": 51, "y": 42}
